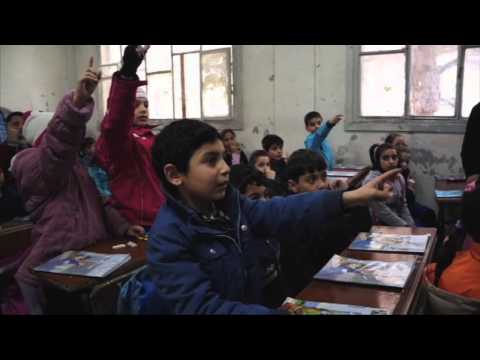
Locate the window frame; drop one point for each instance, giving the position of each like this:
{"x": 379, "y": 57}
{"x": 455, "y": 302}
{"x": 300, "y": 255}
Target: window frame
{"x": 427, "y": 124}
{"x": 233, "y": 121}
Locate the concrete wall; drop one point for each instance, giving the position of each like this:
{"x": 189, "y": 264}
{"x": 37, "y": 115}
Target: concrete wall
{"x": 35, "y": 76}
{"x": 280, "y": 84}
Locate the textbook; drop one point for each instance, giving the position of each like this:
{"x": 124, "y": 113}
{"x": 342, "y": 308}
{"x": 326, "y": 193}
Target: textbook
{"x": 448, "y": 193}
{"x": 380, "y": 273}
{"x": 301, "y": 307}
{"x": 83, "y": 263}
{"x": 390, "y": 243}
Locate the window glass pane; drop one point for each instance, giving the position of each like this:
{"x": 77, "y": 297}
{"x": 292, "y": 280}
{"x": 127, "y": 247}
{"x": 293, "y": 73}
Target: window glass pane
{"x": 105, "y": 85}
{"x": 215, "y": 84}
{"x": 192, "y": 85}
{"x": 383, "y": 85}
{"x": 185, "y": 48}
{"x": 177, "y": 85}
{"x": 109, "y": 54}
{"x": 371, "y": 48}
{"x": 160, "y": 97}
{"x": 214, "y": 47}
{"x": 471, "y": 81}
{"x": 141, "y": 72}
{"x": 433, "y": 80}
{"x": 159, "y": 58}
{"x": 108, "y": 71}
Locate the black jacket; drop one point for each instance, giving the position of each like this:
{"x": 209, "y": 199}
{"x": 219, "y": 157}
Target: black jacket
{"x": 469, "y": 153}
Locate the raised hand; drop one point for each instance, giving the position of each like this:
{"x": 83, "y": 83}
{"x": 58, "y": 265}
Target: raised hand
{"x": 132, "y": 58}
{"x": 336, "y": 119}
{"x": 87, "y": 85}
{"x": 379, "y": 189}
{"x": 136, "y": 231}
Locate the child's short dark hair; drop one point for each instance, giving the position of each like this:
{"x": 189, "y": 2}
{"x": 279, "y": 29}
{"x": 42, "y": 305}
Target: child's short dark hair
{"x": 12, "y": 114}
{"x": 271, "y": 140}
{"x": 312, "y": 115}
{"x": 243, "y": 175}
{"x": 224, "y": 133}
{"x": 391, "y": 138}
{"x": 177, "y": 143}
{"x": 255, "y": 155}
{"x": 303, "y": 162}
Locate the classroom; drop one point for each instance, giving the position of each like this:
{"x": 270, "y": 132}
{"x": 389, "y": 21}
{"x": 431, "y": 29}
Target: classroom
{"x": 239, "y": 180}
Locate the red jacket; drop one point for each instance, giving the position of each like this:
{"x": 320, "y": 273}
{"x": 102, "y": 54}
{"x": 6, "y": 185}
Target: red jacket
{"x": 125, "y": 152}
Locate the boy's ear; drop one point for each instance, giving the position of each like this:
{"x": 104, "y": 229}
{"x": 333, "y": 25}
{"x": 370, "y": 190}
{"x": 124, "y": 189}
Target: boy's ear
{"x": 172, "y": 175}
{"x": 292, "y": 186}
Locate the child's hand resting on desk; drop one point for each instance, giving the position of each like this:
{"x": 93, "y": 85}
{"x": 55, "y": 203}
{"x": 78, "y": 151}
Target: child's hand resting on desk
{"x": 378, "y": 189}
{"x": 87, "y": 85}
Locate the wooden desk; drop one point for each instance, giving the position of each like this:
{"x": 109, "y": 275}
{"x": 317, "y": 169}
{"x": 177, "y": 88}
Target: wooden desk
{"x": 77, "y": 290}
{"x": 398, "y": 301}
{"x": 444, "y": 204}
{"x": 14, "y": 238}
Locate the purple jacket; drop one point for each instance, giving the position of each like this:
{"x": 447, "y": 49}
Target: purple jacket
{"x": 63, "y": 201}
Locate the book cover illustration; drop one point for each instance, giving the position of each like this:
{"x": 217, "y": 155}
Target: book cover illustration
{"x": 301, "y": 307}
{"x": 390, "y": 243}
{"x": 83, "y": 263}
{"x": 448, "y": 193}
{"x": 380, "y": 273}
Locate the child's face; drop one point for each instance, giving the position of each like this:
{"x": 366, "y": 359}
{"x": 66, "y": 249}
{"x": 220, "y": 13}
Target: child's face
{"x": 262, "y": 164}
{"x": 207, "y": 178}
{"x": 141, "y": 114}
{"x": 399, "y": 142}
{"x": 229, "y": 141}
{"x": 314, "y": 124}
{"x": 309, "y": 182}
{"x": 255, "y": 192}
{"x": 275, "y": 152}
{"x": 14, "y": 128}
{"x": 389, "y": 160}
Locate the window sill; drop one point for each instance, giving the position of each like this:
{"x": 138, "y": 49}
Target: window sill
{"x": 433, "y": 126}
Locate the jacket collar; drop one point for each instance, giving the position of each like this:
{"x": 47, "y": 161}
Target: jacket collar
{"x": 230, "y": 205}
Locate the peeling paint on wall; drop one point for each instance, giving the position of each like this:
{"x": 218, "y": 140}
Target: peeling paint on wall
{"x": 427, "y": 160}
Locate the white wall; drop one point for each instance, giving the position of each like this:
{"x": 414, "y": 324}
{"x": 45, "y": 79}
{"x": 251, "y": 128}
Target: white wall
{"x": 35, "y": 76}
{"x": 280, "y": 84}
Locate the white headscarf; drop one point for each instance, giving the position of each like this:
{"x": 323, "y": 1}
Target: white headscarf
{"x": 35, "y": 125}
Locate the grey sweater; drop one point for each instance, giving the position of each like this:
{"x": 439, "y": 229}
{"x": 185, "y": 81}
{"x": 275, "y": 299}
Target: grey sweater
{"x": 393, "y": 212}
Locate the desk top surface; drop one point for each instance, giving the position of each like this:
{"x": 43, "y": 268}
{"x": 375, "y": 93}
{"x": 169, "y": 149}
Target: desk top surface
{"x": 449, "y": 185}
{"x": 398, "y": 301}
{"x": 72, "y": 284}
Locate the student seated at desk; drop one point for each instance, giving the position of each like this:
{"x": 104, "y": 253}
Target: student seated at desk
{"x": 461, "y": 273}
{"x": 421, "y": 214}
{"x": 307, "y": 173}
{"x": 233, "y": 153}
{"x": 64, "y": 203}
{"x": 394, "y": 211}
{"x": 273, "y": 145}
{"x": 201, "y": 255}
{"x": 253, "y": 184}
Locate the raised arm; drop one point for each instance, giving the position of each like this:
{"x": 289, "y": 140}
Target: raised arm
{"x": 114, "y": 144}
{"x": 323, "y": 131}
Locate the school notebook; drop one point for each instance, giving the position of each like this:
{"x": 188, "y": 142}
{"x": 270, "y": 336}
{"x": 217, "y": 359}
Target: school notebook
{"x": 83, "y": 263}
{"x": 380, "y": 273}
{"x": 301, "y": 307}
{"x": 390, "y": 243}
{"x": 448, "y": 193}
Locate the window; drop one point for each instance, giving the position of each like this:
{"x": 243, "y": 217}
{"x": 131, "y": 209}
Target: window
{"x": 429, "y": 88}
{"x": 184, "y": 81}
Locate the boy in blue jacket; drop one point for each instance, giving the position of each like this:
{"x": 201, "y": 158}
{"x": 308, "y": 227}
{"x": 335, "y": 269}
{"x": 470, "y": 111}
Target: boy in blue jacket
{"x": 317, "y": 137}
{"x": 202, "y": 256}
